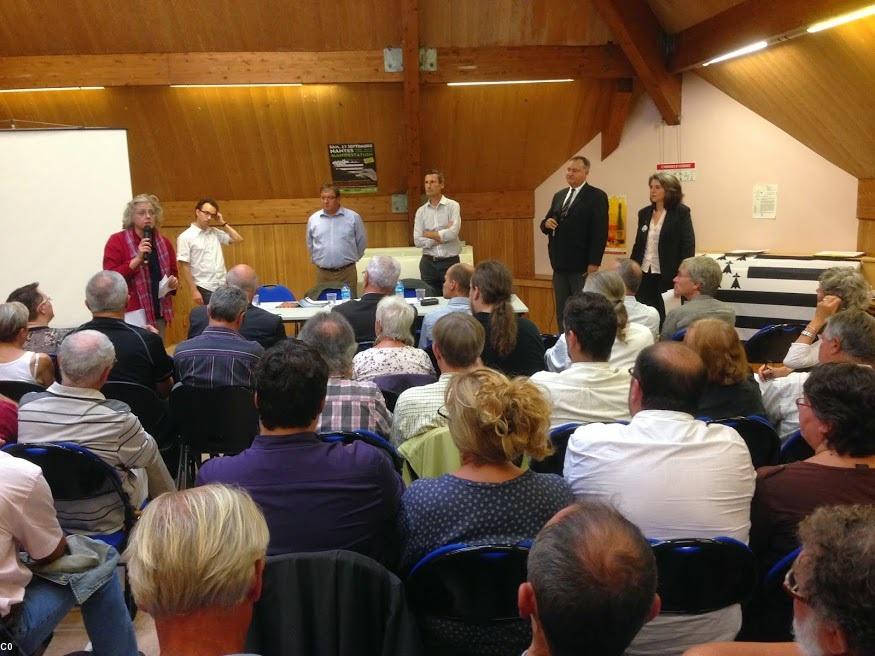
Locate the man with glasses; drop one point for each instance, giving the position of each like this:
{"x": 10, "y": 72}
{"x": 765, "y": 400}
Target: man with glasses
{"x": 336, "y": 240}
{"x": 199, "y": 250}
{"x": 831, "y": 587}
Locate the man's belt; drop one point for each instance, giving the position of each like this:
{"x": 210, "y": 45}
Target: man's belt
{"x": 345, "y": 266}
{"x": 432, "y": 258}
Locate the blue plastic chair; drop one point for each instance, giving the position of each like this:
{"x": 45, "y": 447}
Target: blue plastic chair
{"x": 795, "y": 448}
{"x": 554, "y": 464}
{"x": 679, "y": 335}
{"x": 760, "y": 437}
{"x": 771, "y": 343}
{"x": 323, "y": 295}
{"x": 275, "y": 293}
{"x": 369, "y": 437}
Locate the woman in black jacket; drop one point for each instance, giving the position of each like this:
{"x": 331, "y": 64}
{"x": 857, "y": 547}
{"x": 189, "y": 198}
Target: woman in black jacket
{"x": 663, "y": 240}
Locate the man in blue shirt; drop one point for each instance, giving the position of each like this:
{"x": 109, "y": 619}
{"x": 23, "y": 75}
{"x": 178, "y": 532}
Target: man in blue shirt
{"x": 336, "y": 240}
{"x": 457, "y": 285}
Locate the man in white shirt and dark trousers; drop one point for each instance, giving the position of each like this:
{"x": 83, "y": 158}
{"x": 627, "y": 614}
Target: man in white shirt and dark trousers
{"x": 671, "y": 475}
{"x": 336, "y": 240}
{"x": 436, "y": 231}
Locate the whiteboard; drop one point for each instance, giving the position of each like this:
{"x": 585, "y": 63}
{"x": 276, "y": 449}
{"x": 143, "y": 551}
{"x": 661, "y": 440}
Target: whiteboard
{"x": 62, "y": 193}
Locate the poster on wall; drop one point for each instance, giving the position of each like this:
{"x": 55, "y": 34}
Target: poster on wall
{"x": 353, "y": 167}
{"x": 765, "y": 201}
{"x": 618, "y": 219}
{"x": 683, "y": 171}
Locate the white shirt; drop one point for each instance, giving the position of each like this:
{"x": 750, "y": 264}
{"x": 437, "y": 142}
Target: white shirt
{"x": 446, "y": 218}
{"x": 650, "y": 261}
{"x": 623, "y": 353}
{"x": 779, "y": 400}
{"x": 586, "y": 392}
{"x": 202, "y": 250}
{"x": 641, "y": 313}
{"x": 673, "y": 476}
{"x": 803, "y": 356}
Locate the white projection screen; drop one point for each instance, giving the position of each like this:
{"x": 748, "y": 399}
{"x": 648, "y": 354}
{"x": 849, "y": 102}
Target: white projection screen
{"x": 62, "y": 193}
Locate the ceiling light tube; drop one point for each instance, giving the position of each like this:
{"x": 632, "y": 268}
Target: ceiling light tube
{"x": 225, "y": 86}
{"x": 473, "y": 84}
{"x": 51, "y": 89}
{"x": 753, "y": 47}
{"x": 841, "y": 20}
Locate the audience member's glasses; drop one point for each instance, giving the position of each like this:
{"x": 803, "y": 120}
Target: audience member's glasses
{"x": 633, "y": 373}
{"x": 791, "y": 585}
{"x": 212, "y": 215}
{"x": 801, "y": 401}
{"x": 442, "y": 412}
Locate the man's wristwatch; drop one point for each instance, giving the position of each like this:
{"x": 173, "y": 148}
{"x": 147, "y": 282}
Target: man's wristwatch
{"x": 809, "y": 334}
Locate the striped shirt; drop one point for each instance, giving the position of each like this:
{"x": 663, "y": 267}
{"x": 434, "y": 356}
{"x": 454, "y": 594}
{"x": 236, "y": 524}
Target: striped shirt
{"x": 354, "y": 404}
{"x": 218, "y": 357}
{"x": 416, "y": 410}
{"x": 108, "y": 429}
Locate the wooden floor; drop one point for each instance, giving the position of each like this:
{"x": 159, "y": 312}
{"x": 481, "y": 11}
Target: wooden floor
{"x": 70, "y": 635}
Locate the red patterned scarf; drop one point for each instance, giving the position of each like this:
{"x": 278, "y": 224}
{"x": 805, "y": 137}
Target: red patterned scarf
{"x": 142, "y": 279}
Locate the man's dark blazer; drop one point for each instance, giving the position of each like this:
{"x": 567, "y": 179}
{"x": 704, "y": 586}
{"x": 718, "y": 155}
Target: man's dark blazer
{"x": 362, "y": 314}
{"x": 677, "y": 241}
{"x": 259, "y": 325}
{"x": 580, "y": 237}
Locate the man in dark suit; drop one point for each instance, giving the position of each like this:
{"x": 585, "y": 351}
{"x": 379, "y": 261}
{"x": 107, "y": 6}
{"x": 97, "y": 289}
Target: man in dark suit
{"x": 380, "y": 278}
{"x": 576, "y": 226}
{"x": 259, "y": 325}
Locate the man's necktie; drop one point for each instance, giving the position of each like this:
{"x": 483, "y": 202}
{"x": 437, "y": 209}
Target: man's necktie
{"x": 567, "y": 203}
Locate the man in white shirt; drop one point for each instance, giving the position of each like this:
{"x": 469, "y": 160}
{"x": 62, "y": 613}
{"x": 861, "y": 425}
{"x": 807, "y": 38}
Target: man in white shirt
{"x": 436, "y": 231}
{"x": 457, "y": 286}
{"x": 199, "y": 250}
{"x": 646, "y": 315}
{"x": 458, "y": 343}
{"x": 589, "y": 390}
{"x": 671, "y": 475}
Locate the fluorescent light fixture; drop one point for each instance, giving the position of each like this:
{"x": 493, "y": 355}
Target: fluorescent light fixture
{"x": 753, "y": 47}
{"x": 225, "y": 86}
{"x": 51, "y": 89}
{"x": 474, "y": 84}
{"x": 841, "y": 20}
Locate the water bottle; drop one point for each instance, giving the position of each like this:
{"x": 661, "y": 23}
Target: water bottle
{"x": 399, "y": 289}
{"x": 344, "y": 292}
{"x": 255, "y": 300}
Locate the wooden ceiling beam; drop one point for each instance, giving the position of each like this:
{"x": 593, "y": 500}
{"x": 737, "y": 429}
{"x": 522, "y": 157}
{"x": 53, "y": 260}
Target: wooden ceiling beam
{"x": 747, "y": 23}
{"x": 412, "y": 106}
{"x": 637, "y": 30}
{"x": 618, "y": 112}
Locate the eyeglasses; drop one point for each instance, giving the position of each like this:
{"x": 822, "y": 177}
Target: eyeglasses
{"x": 801, "y": 401}
{"x": 442, "y": 412}
{"x": 145, "y": 212}
{"x": 633, "y": 373}
{"x": 212, "y": 215}
{"x": 791, "y": 586}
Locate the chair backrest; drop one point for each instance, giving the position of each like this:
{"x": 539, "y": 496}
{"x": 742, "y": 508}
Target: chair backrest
{"x": 369, "y": 437}
{"x": 331, "y": 603}
{"x": 760, "y": 437}
{"x": 469, "y": 583}
{"x": 700, "y": 575}
{"x": 412, "y": 284}
{"x": 319, "y": 291}
{"x": 549, "y": 340}
{"x": 15, "y": 389}
{"x": 771, "y": 343}
{"x": 795, "y": 448}
{"x": 392, "y": 385}
{"x": 429, "y": 455}
{"x": 273, "y": 293}
{"x": 219, "y": 420}
{"x": 143, "y": 402}
{"x": 679, "y": 335}
{"x": 364, "y": 346}
{"x": 554, "y": 464}
{"x": 74, "y": 473}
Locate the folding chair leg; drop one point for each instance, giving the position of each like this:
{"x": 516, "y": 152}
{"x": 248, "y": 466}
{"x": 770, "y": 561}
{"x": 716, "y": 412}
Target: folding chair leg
{"x": 182, "y": 471}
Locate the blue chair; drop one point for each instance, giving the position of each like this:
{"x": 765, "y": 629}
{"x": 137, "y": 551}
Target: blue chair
{"x": 554, "y": 464}
{"x": 412, "y": 284}
{"x": 760, "y": 437}
{"x": 323, "y": 295}
{"x": 795, "y": 448}
{"x": 771, "y": 343}
{"x": 15, "y": 389}
{"x": 275, "y": 293}
{"x": 769, "y": 615}
{"x": 392, "y": 385}
{"x": 679, "y": 335}
{"x": 701, "y": 575}
{"x": 369, "y": 437}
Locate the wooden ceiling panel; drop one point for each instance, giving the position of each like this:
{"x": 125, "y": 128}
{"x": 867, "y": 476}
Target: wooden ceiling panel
{"x": 470, "y": 23}
{"x": 508, "y": 137}
{"x": 50, "y": 27}
{"x": 817, "y": 87}
{"x": 677, "y": 15}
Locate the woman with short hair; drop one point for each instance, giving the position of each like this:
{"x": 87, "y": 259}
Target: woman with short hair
{"x": 16, "y": 364}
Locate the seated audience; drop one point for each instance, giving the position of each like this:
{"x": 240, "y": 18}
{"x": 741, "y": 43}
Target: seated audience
{"x": 697, "y": 280}
{"x": 631, "y": 337}
{"x": 16, "y": 363}
{"x": 8, "y": 421}
{"x": 591, "y": 583}
{"x": 630, "y": 272}
{"x": 196, "y": 560}
{"x": 458, "y": 343}
{"x": 513, "y": 343}
{"x": 139, "y": 353}
{"x": 349, "y": 404}
{"x": 849, "y": 336}
{"x": 379, "y": 280}
{"x": 671, "y": 475}
{"x": 393, "y": 351}
{"x": 590, "y": 389}
{"x": 831, "y": 587}
{"x": 40, "y": 336}
{"x": 259, "y": 325}
{"x": 316, "y": 496}
{"x": 75, "y": 411}
{"x": 220, "y": 356}
{"x": 730, "y": 390}
{"x": 839, "y": 288}
{"x": 36, "y": 596}
{"x": 457, "y": 287}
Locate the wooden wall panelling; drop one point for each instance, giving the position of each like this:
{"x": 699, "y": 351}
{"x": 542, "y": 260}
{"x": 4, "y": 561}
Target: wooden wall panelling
{"x": 537, "y": 293}
{"x": 866, "y": 216}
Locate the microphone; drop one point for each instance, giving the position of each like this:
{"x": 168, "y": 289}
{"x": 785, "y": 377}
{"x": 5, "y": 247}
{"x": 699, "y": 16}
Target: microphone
{"x": 148, "y": 232}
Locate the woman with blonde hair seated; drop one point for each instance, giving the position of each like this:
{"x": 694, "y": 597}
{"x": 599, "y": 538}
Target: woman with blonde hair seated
{"x": 16, "y": 364}
{"x": 631, "y": 337}
{"x": 731, "y": 390}
{"x": 393, "y": 351}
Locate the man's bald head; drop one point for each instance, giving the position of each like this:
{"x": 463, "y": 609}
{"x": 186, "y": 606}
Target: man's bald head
{"x": 243, "y": 277}
{"x": 670, "y": 376}
{"x": 630, "y": 272}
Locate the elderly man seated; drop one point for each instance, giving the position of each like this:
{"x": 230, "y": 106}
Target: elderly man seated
{"x": 697, "y": 281}
{"x": 380, "y": 278}
{"x": 75, "y": 411}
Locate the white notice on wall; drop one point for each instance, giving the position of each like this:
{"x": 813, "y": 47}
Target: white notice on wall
{"x": 765, "y": 201}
